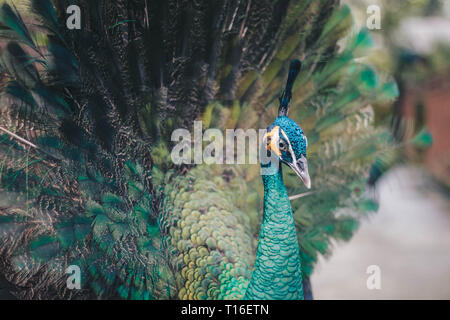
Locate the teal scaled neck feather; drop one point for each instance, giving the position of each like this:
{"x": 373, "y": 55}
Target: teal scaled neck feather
{"x": 277, "y": 273}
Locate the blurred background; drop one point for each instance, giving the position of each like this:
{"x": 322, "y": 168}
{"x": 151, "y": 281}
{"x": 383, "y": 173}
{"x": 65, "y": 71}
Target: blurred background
{"x": 408, "y": 239}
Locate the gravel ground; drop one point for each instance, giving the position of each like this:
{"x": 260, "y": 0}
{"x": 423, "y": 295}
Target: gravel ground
{"x": 409, "y": 239}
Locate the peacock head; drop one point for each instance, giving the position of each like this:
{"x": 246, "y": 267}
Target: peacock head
{"x": 286, "y": 140}
{"x": 284, "y": 137}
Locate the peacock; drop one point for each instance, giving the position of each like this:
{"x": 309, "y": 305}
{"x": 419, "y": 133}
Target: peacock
{"x": 86, "y": 177}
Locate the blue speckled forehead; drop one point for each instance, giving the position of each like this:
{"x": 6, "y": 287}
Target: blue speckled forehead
{"x": 294, "y": 133}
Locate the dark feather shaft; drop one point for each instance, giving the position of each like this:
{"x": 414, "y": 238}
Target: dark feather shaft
{"x": 285, "y": 98}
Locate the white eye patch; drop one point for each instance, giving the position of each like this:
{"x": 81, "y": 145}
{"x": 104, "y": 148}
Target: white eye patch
{"x": 291, "y": 151}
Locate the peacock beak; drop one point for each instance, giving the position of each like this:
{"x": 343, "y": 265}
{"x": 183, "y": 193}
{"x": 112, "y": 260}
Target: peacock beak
{"x": 301, "y": 169}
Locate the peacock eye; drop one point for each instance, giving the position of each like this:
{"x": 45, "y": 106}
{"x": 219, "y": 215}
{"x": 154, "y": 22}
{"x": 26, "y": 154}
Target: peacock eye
{"x": 282, "y": 145}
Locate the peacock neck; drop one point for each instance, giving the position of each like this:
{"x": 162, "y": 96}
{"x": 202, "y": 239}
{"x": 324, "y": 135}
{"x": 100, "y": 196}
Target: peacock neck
{"x": 277, "y": 271}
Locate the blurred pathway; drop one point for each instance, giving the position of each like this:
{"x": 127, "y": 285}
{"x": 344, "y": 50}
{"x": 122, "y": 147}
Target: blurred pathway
{"x": 409, "y": 239}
